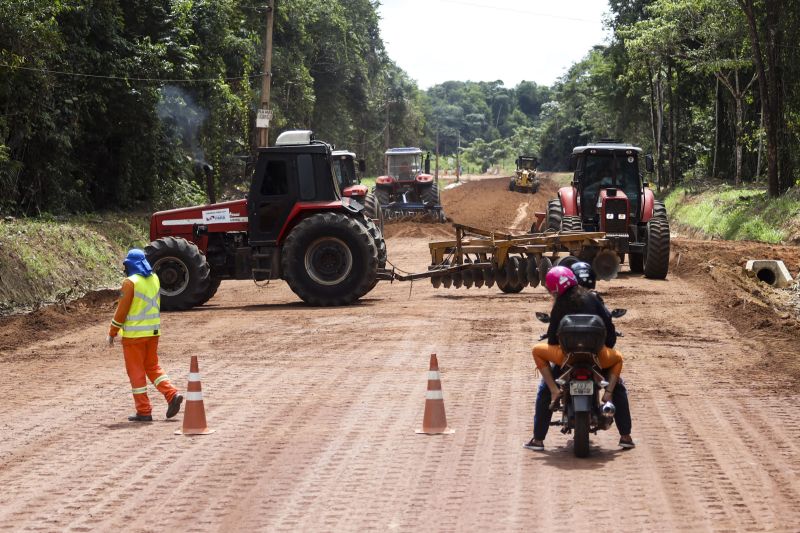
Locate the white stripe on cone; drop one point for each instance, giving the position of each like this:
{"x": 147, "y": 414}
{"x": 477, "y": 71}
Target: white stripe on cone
{"x": 198, "y": 396}
{"x": 194, "y": 376}
{"x": 434, "y": 395}
{"x": 433, "y": 375}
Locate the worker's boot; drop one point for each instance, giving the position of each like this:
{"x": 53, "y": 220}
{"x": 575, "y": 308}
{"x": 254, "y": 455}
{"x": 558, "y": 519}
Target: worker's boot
{"x": 174, "y": 406}
{"x": 140, "y": 418}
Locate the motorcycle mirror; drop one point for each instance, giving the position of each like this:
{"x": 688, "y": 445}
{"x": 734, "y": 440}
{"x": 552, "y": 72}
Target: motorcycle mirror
{"x": 616, "y": 313}
{"x": 543, "y": 317}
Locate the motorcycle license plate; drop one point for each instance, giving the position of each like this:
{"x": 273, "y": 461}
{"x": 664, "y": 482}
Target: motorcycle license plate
{"x": 581, "y": 388}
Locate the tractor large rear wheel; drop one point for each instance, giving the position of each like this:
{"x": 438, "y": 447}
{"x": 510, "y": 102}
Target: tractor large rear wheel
{"x": 656, "y": 253}
{"x": 429, "y": 194}
{"x": 182, "y": 270}
{"x": 213, "y": 285}
{"x": 373, "y": 209}
{"x": 377, "y": 234}
{"x": 383, "y": 196}
{"x": 330, "y": 259}
{"x": 554, "y": 214}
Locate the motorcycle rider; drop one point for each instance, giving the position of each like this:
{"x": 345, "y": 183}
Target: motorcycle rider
{"x": 572, "y": 298}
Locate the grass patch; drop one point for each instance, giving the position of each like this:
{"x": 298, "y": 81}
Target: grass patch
{"x": 46, "y": 259}
{"x": 737, "y": 214}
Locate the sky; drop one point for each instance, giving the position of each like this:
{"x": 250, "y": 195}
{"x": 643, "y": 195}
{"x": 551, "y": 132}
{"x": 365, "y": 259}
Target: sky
{"x": 485, "y": 40}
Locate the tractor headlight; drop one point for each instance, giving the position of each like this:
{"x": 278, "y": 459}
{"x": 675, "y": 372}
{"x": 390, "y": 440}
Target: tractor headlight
{"x": 622, "y": 216}
{"x": 609, "y": 216}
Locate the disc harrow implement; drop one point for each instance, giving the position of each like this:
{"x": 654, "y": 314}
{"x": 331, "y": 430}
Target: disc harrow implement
{"x": 478, "y": 258}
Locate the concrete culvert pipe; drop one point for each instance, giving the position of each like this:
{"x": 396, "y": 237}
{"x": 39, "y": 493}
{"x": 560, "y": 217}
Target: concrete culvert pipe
{"x": 767, "y": 276}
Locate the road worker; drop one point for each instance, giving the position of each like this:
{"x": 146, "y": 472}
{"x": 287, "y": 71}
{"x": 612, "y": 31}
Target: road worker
{"x": 571, "y": 298}
{"x": 587, "y": 279}
{"x": 138, "y": 316}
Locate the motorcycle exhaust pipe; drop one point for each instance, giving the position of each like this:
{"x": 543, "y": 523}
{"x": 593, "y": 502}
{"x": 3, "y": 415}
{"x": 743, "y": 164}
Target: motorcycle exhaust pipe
{"x": 609, "y": 410}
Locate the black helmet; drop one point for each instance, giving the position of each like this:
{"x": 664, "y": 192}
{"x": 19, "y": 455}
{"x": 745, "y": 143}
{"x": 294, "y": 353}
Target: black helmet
{"x": 585, "y": 274}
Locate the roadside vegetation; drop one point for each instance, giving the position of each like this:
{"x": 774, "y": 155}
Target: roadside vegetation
{"x": 50, "y": 260}
{"x": 726, "y": 212}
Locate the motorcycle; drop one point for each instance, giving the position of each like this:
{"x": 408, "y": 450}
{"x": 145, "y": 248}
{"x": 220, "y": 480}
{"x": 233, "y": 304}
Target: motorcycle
{"x": 582, "y": 383}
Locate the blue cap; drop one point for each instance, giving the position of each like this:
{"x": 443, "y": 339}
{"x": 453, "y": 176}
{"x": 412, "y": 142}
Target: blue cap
{"x": 136, "y": 262}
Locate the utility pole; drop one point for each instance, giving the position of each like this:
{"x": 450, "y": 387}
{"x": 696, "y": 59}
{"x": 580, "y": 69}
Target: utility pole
{"x": 458, "y": 158}
{"x": 436, "y": 172}
{"x": 265, "y": 113}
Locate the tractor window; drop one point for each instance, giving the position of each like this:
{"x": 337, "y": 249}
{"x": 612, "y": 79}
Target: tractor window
{"x": 276, "y": 179}
{"x": 404, "y": 166}
{"x": 305, "y": 171}
{"x": 601, "y": 171}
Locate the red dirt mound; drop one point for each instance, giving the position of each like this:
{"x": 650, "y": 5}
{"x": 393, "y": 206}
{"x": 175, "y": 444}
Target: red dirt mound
{"x": 488, "y": 204}
{"x": 48, "y": 322}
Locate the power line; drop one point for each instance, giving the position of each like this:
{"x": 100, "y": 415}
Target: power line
{"x": 128, "y": 78}
{"x": 516, "y": 10}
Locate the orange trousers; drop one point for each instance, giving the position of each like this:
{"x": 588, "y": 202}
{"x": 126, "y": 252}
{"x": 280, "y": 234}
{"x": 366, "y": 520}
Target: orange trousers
{"x": 608, "y": 357}
{"x": 141, "y": 362}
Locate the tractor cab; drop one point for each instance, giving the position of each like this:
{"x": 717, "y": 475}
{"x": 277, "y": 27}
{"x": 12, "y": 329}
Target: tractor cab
{"x": 297, "y": 170}
{"x": 609, "y": 185}
{"x": 344, "y": 168}
{"x": 404, "y": 164}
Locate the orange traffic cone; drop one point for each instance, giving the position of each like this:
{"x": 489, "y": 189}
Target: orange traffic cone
{"x": 194, "y": 416}
{"x": 434, "y": 421}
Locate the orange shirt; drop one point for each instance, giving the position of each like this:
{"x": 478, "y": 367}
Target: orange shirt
{"x": 123, "y": 306}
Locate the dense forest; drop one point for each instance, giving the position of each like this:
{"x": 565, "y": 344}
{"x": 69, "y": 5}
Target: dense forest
{"x": 111, "y": 103}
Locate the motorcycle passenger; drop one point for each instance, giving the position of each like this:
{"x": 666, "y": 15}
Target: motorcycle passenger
{"x": 542, "y": 415}
{"x": 571, "y": 298}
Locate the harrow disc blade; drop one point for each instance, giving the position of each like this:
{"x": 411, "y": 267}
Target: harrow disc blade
{"x": 488, "y": 276}
{"x": 522, "y": 273}
{"x": 478, "y": 274}
{"x": 468, "y": 278}
{"x": 606, "y": 265}
{"x": 532, "y": 272}
{"x": 447, "y": 280}
{"x": 544, "y": 267}
{"x": 500, "y": 276}
{"x": 436, "y": 281}
{"x": 512, "y": 271}
{"x": 458, "y": 280}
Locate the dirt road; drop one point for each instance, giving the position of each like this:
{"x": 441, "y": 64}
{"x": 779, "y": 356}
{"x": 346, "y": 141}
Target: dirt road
{"x": 315, "y": 412}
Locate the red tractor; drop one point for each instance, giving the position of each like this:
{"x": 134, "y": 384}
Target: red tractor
{"x": 408, "y": 189}
{"x": 344, "y": 169}
{"x": 294, "y": 225}
{"x": 608, "y": 194}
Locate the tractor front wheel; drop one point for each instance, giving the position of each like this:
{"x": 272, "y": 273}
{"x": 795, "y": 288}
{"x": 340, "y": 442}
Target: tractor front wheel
{"x": 554, "y": 214}
{"x": 330, "y": 259}
{"x": 656, "y": 254}
{"x": 182, "y": 271}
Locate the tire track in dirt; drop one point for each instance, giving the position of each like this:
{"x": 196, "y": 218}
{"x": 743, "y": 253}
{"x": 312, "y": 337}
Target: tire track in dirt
{"x": 315, "y": 411}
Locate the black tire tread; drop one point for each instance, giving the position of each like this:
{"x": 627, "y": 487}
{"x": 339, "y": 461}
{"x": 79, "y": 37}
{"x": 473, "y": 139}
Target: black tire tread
{"x": 293, "y": 267}
{"x": 656, "y": 256}
{"x": 190, "y": 254}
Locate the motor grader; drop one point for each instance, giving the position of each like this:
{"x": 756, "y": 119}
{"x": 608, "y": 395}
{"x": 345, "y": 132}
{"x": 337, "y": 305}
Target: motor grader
{"x": 294, "y": 225}
{"x": 525, "y": 179}
{"x": 609, "y": 194}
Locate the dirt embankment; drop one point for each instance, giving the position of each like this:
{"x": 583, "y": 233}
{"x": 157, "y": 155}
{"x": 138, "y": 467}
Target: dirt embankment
{"x": 488, "y": 204}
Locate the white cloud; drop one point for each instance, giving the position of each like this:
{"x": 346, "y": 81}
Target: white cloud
{"x": 486, "y": 40}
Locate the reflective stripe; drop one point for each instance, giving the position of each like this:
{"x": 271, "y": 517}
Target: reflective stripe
{"x": 140, "y": 390}
{"x": 434, "y": 395}
{"x": 154, "y": 327}
{"x": 194, "y": 376}
{"x": 115, "y": 323}
{"x": 433, "y": 375}
{"x": 159, "y": 379}
{"x": 143, "y": 316}
{"x": 194, "y": 396}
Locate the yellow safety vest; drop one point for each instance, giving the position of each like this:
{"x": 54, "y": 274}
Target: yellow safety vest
{"x": 144, "y": 316}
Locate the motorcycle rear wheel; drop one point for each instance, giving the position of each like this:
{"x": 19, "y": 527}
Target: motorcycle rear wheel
{"x": 581, "y": 434}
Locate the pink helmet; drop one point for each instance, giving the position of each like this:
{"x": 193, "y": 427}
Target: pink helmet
{"x": 559, "y": 279}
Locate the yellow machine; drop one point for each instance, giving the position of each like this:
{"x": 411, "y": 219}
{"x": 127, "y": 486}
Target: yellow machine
{"x": 525, "y": 179}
